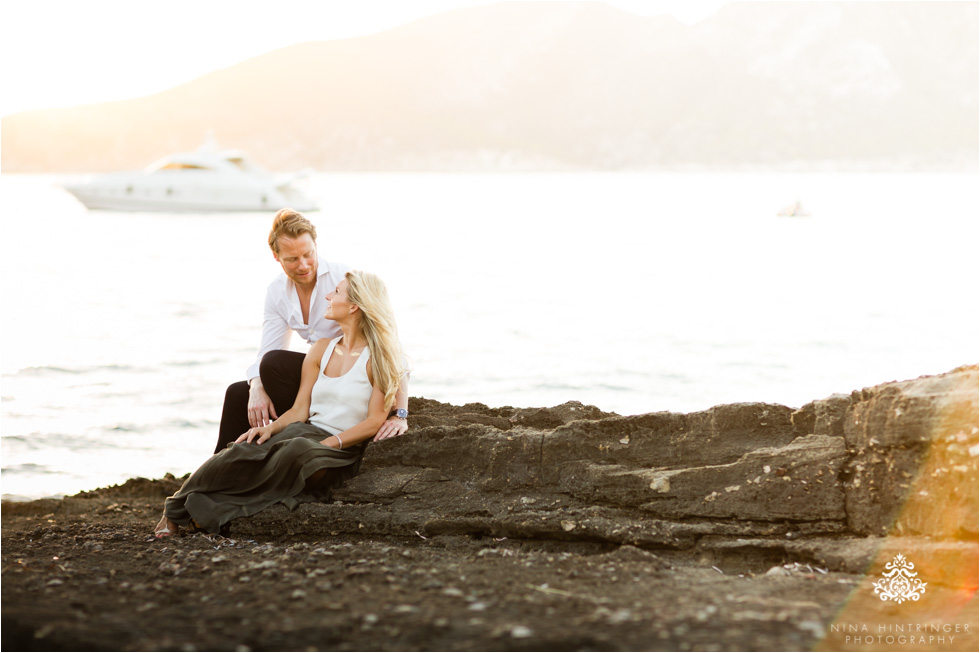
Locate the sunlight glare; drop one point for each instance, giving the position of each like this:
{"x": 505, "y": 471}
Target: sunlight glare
{"x": 59, "y": 53}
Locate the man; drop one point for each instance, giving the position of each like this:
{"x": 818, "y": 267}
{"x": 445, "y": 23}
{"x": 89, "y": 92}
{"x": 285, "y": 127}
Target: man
{"x": 294, "y": 301}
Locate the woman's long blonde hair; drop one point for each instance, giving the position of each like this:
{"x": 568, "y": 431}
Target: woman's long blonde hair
{"x": 369, "y": 293}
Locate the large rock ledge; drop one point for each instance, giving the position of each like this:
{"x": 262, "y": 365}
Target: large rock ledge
{"x": 743, "y": 527}
{"x": 796, "y": 482}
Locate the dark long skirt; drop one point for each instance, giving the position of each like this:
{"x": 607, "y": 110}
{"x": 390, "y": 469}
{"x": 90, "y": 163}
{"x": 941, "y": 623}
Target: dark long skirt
{"x": 244, "y": 479}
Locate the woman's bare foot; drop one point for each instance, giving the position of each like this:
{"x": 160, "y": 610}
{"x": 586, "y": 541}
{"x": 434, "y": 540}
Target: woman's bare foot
{"x": 165, "y": 527}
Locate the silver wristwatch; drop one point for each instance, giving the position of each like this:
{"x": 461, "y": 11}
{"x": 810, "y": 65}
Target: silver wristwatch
{"x": 401, "y": 413}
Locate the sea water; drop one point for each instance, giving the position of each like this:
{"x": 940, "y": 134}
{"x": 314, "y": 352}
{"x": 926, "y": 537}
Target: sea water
{"x": 635, "y": 292}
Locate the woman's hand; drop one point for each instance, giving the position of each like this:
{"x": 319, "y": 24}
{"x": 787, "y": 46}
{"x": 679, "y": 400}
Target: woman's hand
{"x": 391, "y": 428}
{"x": 259, "y": 433}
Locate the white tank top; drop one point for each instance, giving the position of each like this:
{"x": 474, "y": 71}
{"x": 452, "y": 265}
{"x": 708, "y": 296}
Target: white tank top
{"x": 338, "y": 403}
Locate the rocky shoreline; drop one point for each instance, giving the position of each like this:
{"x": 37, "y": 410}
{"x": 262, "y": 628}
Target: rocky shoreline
{"x": 743, "y": 527}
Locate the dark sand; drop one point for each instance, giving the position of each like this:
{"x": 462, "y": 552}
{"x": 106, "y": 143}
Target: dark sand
{"x": 85, "y": 573}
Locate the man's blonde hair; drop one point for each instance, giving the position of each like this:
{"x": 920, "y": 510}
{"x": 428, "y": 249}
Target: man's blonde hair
{"x": 291, "y": 224}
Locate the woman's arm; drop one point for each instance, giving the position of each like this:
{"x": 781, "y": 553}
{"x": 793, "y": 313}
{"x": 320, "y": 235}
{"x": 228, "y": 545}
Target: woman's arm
{"x": 368, "y": 426}
{"x": 394, "y": 426}
{"x": 364, "y": 429}
{"x": 300, "y": 411}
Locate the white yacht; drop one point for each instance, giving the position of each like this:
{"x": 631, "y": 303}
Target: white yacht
{"x": 794, "y": 210}
{"x": 206, "y": 180}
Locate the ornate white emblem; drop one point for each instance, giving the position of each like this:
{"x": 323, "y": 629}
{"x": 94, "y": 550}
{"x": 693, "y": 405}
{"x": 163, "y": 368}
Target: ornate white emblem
{"x": 899, "y": 582}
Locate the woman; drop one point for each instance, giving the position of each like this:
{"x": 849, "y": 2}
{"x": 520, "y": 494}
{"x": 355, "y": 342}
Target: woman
{"x": 348, "y": 385}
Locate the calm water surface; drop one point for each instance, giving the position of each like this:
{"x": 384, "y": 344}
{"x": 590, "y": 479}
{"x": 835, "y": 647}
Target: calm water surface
{"x": 633, "y": 292}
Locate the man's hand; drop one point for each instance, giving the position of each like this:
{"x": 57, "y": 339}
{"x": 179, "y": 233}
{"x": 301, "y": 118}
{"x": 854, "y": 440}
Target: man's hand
{"x": 261, "y": 411}
{"x": 391, "y": 428}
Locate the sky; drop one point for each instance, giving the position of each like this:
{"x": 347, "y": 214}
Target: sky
{"x": 56, "y": 53}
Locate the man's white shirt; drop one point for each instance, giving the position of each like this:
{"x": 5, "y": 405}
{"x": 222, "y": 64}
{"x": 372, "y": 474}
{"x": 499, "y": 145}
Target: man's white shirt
{"x": 283, "y": 313}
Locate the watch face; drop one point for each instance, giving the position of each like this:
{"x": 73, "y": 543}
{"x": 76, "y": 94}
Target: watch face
{"x": 402, "y": 413}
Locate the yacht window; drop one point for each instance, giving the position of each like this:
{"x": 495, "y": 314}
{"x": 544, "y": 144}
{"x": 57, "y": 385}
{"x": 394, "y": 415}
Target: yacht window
{"x": 242, "y": 164}
{"x": 182, "y": 166}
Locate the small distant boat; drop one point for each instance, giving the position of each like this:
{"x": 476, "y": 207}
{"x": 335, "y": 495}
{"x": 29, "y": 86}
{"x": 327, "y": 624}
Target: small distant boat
{"x": 206, "y": 180}
{"x": 794, "y": 210}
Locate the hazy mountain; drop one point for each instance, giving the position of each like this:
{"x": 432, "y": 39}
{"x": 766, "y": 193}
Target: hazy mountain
{"x": 567, "y": 86}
